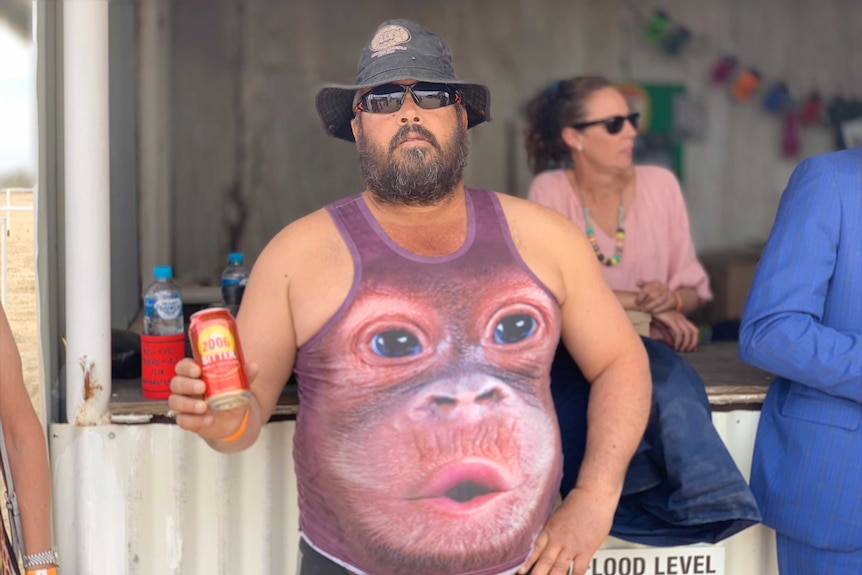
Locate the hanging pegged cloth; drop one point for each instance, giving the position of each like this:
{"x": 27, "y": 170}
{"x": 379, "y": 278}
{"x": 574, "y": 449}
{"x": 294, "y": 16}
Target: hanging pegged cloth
{"x": 682, "y": 486}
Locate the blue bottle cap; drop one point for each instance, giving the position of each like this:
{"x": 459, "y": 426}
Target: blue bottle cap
{"x": 234, "y": 258}
{"x": 163, "y": 272}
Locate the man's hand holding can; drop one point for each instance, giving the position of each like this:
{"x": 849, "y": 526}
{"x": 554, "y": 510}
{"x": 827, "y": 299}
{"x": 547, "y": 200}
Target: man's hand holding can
{"x": 193, "y": 413}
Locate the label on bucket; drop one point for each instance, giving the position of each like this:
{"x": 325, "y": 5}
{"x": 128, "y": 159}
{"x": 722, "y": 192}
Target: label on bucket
{"x": 159, "y": 357}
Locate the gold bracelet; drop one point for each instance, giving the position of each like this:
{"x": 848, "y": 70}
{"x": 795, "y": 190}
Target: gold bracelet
{"x": 238, "y": 433}
{"x": 678, "y": 301}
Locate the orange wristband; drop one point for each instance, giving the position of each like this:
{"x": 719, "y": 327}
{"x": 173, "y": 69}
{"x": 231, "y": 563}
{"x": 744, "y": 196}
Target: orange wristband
{"x": 678, "y": 301}
{"x": 49, "y": 570}
{"x": 238, "y": 433}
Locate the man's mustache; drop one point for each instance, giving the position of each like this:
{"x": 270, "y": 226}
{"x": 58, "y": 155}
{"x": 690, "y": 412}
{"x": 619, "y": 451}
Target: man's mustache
{"x": 409, "y": 129}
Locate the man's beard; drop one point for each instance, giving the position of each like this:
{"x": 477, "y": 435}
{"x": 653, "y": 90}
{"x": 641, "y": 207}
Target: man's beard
{"x": 413, "y": 176}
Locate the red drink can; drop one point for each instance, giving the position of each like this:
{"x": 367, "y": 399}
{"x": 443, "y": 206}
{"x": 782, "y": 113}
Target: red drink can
{"x": 216, "y": 348}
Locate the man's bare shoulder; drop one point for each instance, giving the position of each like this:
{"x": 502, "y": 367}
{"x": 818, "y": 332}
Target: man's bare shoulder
{"x": 310, "y": 262}
{"x": 305, "y": 239}
{"x": 527, "y": 217}
{"x": 547, "y": 241}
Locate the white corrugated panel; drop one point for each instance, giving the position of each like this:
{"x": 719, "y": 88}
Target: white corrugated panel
{"x": 751, "y": 552}
{"x": 153, "y": 499}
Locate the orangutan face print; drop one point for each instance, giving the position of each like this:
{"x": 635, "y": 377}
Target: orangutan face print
{"x": 436, "y": 443}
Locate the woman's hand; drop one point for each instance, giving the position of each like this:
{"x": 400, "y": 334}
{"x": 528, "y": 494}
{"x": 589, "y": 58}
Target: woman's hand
{"x": 655, "y": 297}
{"x": 676, "y": 330}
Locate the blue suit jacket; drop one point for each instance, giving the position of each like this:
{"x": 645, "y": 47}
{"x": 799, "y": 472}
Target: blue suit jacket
{"x": 803, "y": 322}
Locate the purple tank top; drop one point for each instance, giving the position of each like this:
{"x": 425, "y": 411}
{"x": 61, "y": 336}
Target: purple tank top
{"x": 426, "y": 441}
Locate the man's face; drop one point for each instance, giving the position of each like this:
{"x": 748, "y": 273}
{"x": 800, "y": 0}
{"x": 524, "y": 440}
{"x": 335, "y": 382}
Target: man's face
{"x": 413, "y": 156}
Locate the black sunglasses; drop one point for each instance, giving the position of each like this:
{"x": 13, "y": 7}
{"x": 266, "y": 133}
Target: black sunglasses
{"x": 614, "y": 124}
{"x": 388, "y": 98}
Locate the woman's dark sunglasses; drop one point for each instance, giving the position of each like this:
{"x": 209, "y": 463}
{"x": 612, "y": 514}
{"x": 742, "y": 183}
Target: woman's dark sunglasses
{"x": 614, "y": 124}
{"x": 388, "y": 98}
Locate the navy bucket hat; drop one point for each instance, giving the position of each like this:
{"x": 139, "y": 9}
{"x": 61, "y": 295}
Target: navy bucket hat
{"x": 399, "y": 50}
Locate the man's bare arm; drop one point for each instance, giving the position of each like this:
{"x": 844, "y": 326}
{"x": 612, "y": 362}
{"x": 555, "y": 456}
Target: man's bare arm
{"x": 603, "y": 342}
{"x": 267, "y": 337}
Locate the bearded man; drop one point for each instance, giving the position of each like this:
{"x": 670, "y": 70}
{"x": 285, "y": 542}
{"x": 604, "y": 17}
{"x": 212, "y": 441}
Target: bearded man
{"x": 421, "y": 317}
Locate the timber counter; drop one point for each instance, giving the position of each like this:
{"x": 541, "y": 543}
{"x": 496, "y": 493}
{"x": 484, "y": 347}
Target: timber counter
{"x": 730, "y": 385}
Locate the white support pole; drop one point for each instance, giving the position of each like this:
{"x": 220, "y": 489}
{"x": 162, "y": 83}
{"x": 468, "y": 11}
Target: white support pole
{"x": 88, "y": 256}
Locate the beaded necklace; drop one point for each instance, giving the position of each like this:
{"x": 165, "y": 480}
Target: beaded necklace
{"x": 591, "y": 232}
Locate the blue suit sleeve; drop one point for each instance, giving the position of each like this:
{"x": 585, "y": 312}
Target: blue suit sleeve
{"x": 782, "y": 328}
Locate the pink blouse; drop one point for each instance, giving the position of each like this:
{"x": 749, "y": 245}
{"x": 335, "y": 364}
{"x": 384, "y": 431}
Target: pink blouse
{"x": 658, "y": 243}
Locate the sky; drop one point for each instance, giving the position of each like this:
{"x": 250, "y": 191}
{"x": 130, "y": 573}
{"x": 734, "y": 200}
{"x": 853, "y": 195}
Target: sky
{"x": 17, "y": 102}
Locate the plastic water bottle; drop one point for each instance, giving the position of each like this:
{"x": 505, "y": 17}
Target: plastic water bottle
{"x": 163, "y": 304}
{"x": 163, "y": 340}
{"x": 233, "y": 281}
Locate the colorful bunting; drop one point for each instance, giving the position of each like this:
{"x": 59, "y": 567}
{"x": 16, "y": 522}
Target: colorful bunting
{"x": 722, "y": 69}
{"x": 657, "y": 27}
{"x": 790, "y": 137}
{"x": 675, "y": 40}
{"x": 744, "y": 83}
{"x": 776, "y": 98}
{"x": 812, "y": 109}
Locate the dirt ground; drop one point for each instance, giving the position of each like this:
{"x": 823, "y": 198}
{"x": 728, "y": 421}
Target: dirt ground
{"x": 21, "y": 285}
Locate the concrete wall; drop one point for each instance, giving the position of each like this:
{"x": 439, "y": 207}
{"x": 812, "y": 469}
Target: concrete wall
{"x": 249, "y": 154}
{"x": 125, "y": 297}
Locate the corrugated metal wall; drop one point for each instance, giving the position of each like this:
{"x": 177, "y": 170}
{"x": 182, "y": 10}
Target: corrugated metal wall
{"x": 153, "y": 499}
